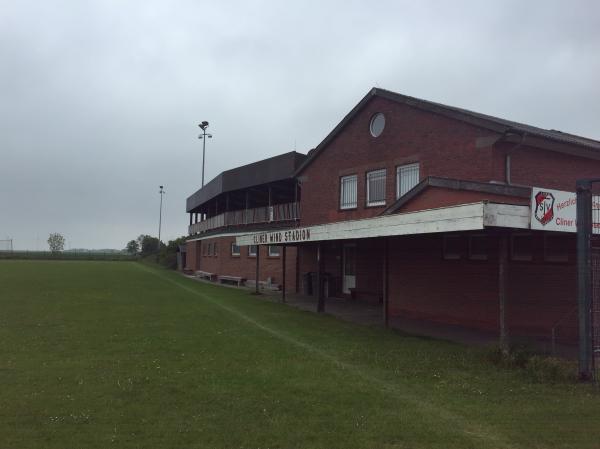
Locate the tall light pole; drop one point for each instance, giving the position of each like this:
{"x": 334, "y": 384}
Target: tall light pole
{"x": 204, "y": 136}
{"x": 161, "y": 191}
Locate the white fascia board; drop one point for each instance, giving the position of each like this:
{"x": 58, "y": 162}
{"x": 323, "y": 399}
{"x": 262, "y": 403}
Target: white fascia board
{"x": 216, "y": 236}
{"x": 507, "y": 216}
{"x": 465, "y": 217}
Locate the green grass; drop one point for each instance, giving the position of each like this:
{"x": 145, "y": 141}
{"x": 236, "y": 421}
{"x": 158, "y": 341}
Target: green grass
{"x": 103, "y": 354}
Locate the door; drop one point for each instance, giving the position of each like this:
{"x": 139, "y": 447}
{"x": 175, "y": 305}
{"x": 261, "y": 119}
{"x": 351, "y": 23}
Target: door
{"x": 348, "y": 267}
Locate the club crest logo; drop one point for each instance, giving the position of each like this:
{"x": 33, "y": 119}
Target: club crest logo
{"x": 544, "y": 207}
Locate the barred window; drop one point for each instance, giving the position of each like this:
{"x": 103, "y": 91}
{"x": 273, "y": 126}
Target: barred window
{"x": 407, "y": 176}
{"x": 348, "y": 192}
{"x": 235, "y": 249}
{"x": 376, "y": 187}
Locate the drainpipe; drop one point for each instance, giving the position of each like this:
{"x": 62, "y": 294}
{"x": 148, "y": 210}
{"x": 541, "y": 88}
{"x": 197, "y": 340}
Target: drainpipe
{"x": 507, "y": 162}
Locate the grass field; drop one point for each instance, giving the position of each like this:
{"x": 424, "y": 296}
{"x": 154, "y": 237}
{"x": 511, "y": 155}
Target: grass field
{"x": 117, "y": 354}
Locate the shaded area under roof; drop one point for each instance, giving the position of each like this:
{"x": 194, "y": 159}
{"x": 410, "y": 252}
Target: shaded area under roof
{"x": 269, "y": 170}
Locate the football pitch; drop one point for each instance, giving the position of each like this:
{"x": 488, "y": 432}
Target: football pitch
{"x": 119, "y": 354}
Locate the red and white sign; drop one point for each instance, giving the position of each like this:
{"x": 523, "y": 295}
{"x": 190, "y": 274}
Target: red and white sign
{"x": 553, "y": 210}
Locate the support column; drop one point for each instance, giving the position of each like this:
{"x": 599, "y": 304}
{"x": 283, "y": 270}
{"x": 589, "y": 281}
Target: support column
{"x": 270, "y": 216}
{"x": 502, "y": 283}
{"x": 283, "y": 257}
{"x": 191, "y": 215}
{"x": 320, "y": 297}
{"x": 247, "y": 202}
{"x": 386, "y": 269}
{"x": 584, "y": 277}
{"x": 257, "y": 291}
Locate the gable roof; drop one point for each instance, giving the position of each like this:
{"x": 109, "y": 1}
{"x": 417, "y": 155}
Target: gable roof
{"x": 458, "y": 184}
{"x": 549, "y": 139}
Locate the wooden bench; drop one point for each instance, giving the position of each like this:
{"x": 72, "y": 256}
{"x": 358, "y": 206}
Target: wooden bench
{"x": 231, "y": 280}
{"x": 205, "y": 275}
{"x": 263, "y": 285}
{"x": 355, "y": 293}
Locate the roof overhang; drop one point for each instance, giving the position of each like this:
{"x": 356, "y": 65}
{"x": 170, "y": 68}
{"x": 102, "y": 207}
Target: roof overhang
{"x": 277, "y": 168}
{"x": 465, "y": 217}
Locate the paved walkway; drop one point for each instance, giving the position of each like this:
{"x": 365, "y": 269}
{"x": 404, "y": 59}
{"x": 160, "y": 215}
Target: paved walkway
{"x": 371, "y": 314}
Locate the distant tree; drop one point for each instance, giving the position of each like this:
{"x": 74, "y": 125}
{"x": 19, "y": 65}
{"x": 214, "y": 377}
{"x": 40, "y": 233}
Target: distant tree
{"x": 133, "y": 247}
{"x": 147, "y": 244}
{"x": 56, "y": 242}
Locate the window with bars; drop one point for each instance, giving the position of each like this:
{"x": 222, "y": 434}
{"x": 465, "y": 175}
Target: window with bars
{"x": 348, "y": 192}
{"x": 376, "y": 187}
{"x": 407, "y": 176}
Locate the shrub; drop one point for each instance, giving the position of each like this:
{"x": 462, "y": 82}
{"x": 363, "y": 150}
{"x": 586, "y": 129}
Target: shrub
{"x": 536, "y": 367}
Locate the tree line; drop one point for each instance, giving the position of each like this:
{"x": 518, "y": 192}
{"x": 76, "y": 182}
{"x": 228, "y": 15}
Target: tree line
{"x": 147, "y": 247}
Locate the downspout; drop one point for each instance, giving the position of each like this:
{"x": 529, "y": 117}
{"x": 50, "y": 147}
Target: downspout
{"x": 507, "y": 161}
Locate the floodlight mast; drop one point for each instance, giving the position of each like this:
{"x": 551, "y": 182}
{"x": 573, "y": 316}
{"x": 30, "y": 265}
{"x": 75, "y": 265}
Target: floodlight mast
{"x": 161, "y": 192}
{"x": 204, "y": 136}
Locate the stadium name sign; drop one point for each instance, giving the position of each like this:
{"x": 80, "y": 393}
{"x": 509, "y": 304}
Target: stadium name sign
{"x": 287, "y": 236}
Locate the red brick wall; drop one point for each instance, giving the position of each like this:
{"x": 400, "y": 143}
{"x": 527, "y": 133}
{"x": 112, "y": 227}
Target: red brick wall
{"x": 423, "y": 285}
{"x": 542, "y": 168}
{"x": 444, "y": 147}
{"x": 224, "y": 263}
{"x": 192, "y": 256}
{"x": 542, "y": 293}
{"x": 438, "y": 197}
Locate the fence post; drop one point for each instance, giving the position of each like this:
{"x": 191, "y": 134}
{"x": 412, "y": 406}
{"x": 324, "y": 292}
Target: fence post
{"x": 584, "y": 281}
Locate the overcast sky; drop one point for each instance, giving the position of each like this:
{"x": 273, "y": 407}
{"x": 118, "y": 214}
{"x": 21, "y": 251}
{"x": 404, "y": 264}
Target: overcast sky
{"x": 100, "y": 100}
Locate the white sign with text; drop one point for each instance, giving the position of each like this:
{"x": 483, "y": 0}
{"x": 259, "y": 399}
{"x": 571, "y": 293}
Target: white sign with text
{"x": 553, "y": 210}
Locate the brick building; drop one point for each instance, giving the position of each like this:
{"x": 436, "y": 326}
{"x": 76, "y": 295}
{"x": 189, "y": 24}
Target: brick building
{"x": 426, "y": 209}
{"x": 251, "y": 198}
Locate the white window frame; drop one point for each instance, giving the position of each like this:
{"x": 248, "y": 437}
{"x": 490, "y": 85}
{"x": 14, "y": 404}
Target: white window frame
{"x": 399, "y": 170}
{"x": 343, "y": 181}
{"x": 233, "y": 252}
{"x": 250, "y": 253}
{"x": 271, "y": 254}
{"x": 372, "y": 174}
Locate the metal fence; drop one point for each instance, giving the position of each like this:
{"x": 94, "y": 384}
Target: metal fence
{"x": 588, "y": 278}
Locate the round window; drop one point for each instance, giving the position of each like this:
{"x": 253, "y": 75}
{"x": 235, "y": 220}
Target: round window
{"x": 377, "y": 124}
